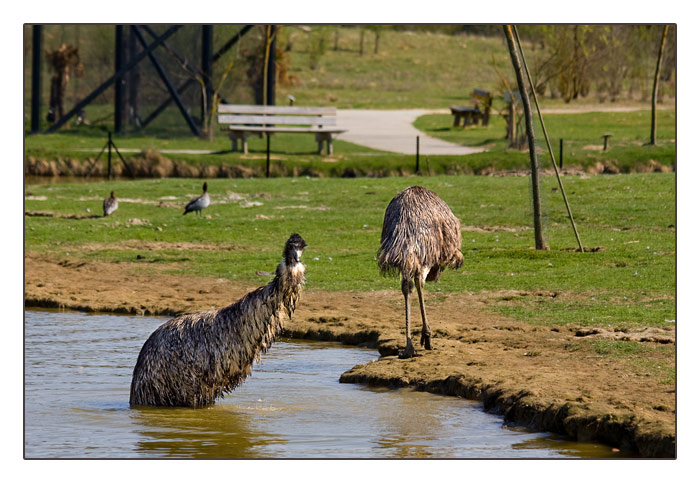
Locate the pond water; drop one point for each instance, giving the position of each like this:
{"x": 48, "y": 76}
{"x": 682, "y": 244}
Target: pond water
{"x": 78, "y": 372}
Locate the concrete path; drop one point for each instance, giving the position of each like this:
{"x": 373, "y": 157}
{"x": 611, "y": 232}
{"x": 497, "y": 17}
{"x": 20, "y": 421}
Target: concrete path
{"x": 393, "y": 131}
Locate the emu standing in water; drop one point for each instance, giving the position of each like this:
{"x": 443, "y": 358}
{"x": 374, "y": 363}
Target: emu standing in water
{"x": 199, "y": 203}
{"x": 110, "y": 205}
{"x": 420, "y": 238}
{"x": 193, "y": 359}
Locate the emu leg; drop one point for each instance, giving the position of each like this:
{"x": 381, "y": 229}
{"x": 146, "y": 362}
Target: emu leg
{"x": 425, "y": 333}
{"x": 408, "y": 351}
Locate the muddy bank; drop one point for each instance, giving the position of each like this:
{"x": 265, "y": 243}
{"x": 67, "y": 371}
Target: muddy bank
{"x": 547, "y": 378}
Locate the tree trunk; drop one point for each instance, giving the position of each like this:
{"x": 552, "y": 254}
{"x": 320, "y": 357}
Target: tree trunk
{"x": 534, "y": 168}
{"x": 266, "y": 63}
{"x": 655, "y": 89}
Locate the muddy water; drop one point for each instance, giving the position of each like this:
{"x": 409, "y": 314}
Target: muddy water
{"x": 78, "y": 370}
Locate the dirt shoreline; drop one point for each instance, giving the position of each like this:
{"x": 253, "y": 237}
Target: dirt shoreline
{"x": 540, "y": 377}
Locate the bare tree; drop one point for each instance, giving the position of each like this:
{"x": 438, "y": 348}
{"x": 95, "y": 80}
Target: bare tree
{"x": 655, "y": 90}
{"x": 534, "y": 168}
{"x": 64, "y": 61}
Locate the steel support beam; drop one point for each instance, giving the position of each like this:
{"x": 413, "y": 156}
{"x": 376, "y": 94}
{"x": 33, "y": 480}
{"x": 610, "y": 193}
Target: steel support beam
{"x": 271, "y": 69}
{"x": 120, "y": 82}
{"x": 112, "y": 79}
{"x": 36, "y": 79}
{"x": 207, "y": 66}
{"x": 225, "y": 48}
{"x": 173, "y": 92}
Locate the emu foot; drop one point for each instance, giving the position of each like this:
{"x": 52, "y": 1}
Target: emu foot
{"x": 425, "y": 341}
{"x": 408, "y": 352}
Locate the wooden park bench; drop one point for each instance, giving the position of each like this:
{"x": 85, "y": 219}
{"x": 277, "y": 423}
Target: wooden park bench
{"x": 471, "y": 115}
{"x": 242, "y": 121}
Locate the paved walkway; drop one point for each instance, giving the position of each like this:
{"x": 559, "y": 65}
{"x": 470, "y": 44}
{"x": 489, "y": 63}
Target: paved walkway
{"x": 393, "y": 131}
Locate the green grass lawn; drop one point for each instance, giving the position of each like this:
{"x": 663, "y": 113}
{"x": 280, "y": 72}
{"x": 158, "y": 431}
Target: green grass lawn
{"x": 629, "y": 281}
{"x": 409, "y": 70}
{"x": 581, "y": 134}
{"x": 296, "y": 154}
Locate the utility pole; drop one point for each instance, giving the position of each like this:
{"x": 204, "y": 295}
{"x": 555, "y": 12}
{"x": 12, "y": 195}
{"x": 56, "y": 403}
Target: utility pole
{"x": 534, "y": 168}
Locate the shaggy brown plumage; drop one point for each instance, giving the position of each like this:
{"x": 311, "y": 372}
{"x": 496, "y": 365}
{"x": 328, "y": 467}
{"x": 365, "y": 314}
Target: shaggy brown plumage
{"x": 420, "y": 238}
{"x": 193, "y": 359}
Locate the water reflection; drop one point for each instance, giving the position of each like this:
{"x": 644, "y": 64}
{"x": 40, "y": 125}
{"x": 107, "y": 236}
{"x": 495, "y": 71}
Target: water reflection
{"x": 215, "y": 432}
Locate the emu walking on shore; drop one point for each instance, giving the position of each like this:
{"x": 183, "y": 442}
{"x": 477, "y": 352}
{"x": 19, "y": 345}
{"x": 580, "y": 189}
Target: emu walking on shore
{"x": 193, "y": 359}
{"x": 110, "y": 205}
{"x": 420, "y": 238}
{"x": 198, "y": 203}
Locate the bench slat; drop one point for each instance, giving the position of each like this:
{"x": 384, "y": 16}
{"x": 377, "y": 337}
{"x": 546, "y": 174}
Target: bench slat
{"x": 233, "y": 119}
{"x": 289, "y": 110}
{"x": 286, "y": 129}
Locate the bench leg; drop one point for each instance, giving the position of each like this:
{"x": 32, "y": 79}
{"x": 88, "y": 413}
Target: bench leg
{"x": 242, "y": 137}
{"x": 455, "y": 123}
{"x": 234, "y": 141}
{"x": 320, "y": 138}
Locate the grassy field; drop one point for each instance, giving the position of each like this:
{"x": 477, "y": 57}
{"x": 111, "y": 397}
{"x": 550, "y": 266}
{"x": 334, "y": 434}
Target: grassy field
{"x": 581, "y": 134}
{"x": 410, "y": 69}
{"x": 630, "y": 220}
{"x": 296, "y": 155}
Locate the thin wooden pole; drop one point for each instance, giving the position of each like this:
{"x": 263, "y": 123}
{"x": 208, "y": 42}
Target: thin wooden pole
{"x": 534, "y": 168}
{"x": 655, "y": 90}
{"x": 417, "y": 154}
{"x": 561, "y": 153}
{"x": 549, "y": 145}
{"x": 267, "y": 162}
{"x": 109, "y": 154}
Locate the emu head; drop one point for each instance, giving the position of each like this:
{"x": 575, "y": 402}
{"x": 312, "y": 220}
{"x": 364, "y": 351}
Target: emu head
{"x": 293, "y": 249}
{"x": 111, "y": 195}
{"x": 204, "y": 187}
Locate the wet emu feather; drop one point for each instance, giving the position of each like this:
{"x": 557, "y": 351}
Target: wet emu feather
{"x": 194, "y": 359}
{"x": 420, "y": 238}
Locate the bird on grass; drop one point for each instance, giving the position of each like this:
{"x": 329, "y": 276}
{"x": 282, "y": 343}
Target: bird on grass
{"x": 199, "y": 203}
{"x": 110, "y": 205}
{"x": 420, "y": 238}
{"x": 194, "y": 359}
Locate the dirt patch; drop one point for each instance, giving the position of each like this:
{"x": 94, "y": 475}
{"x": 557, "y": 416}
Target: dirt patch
{"x": 492, "y": 228}
{"x": 70, "y": 216}
{"x": 664, "y": 335}
{"x": 149, "y": 246}
{"x": 541, "y": 377}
